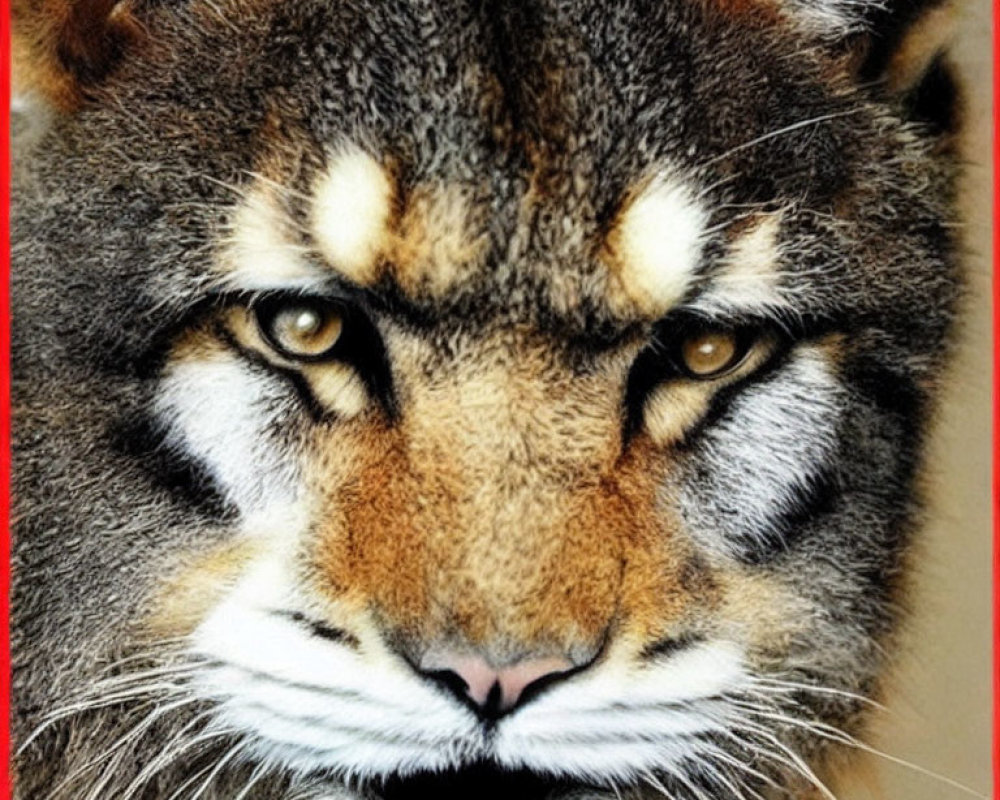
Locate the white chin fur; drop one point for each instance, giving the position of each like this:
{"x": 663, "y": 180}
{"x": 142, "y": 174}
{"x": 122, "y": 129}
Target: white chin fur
{"x": 315, "y": 705}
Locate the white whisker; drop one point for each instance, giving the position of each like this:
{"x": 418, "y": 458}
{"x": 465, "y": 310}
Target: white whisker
{"x": 780, "y": 132}
{"x": 222, "y": 762}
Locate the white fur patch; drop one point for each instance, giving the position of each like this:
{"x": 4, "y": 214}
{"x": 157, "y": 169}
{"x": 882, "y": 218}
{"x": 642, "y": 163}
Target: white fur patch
{"x": 766, "y": 451}
{"x": 317, "y": 705}
{"x": 351, "y": 212}
{"x": 749, "y": 275}
{"x": 314, "y": 704}
{"x": 261, "y": 251}
{"x": 622, "y": 720}
{"x": 220, "y": 412}
{"x": 658, "y": 243}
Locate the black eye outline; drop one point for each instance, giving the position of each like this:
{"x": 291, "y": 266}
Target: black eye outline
{"x": 744, "y": 338}
{"x": 359, "y": 345}
{"x": 661, "y": 360}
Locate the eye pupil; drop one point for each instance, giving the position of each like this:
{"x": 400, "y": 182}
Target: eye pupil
{"x": 709, "y": 354}
{"x": 306, "y": 323}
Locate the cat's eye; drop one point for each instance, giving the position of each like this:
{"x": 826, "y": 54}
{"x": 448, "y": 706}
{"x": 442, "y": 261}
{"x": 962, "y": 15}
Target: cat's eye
{"x": 694, "y": 358}
{"x": 712, "y": 353}
{"x": 301, "y": 329}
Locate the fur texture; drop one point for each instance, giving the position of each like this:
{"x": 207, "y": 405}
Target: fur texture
{"x": 234, "y": 562}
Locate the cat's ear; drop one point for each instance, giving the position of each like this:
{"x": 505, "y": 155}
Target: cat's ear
{"x": 64, "y": 49}
{"x": 898, "y": 46}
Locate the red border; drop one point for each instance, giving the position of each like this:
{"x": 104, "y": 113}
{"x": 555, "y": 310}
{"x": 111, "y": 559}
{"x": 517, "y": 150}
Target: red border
{"x": 5, "y": 778}
{"x": 5, "y": 675}
{"x": 996, "y": 400}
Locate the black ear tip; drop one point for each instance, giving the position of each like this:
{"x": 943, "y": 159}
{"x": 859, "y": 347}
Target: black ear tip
{"x": 902, "y": 53}
{"x": 936, "y": 100}
{"x": 65, "y": 48}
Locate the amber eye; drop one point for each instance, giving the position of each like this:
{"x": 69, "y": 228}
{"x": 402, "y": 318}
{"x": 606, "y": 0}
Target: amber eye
{"x": 300, "y": 329}
{"x": 711, "y": 353}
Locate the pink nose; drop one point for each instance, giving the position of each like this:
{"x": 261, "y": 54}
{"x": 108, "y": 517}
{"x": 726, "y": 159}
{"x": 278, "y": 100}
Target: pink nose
{"x": 493, "y": 691}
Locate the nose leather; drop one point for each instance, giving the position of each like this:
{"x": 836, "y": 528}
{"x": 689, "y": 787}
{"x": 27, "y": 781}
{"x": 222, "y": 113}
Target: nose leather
{"x": 486, "y": 685}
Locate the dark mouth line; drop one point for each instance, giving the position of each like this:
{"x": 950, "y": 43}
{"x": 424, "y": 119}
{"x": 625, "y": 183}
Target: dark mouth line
{"x": 491, "y": 715}
{"x": 481, "y": 779}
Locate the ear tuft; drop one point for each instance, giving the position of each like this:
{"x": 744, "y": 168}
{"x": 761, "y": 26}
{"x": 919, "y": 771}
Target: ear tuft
{"x": 65, "y": 48}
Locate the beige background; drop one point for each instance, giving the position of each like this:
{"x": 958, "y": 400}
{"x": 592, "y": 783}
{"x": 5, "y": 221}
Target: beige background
{"x": 939, "y": 716}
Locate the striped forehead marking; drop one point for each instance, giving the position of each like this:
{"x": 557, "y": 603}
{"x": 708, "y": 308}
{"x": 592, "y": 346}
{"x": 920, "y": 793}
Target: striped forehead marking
{"x": 262, "y": 248}
{"x": 655, "y": 244}
{"x": 749, "y": 274}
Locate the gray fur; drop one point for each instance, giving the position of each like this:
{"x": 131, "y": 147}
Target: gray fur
{"x": 116, "y": 213}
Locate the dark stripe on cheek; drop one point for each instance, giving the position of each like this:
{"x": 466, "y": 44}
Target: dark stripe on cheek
{"x": 320, "y": 629}
{"x": 669, "y": 646}
{"x": 808, "y": 502}
{"x": 890, "y": 390}
{"x": 143, "y": 439}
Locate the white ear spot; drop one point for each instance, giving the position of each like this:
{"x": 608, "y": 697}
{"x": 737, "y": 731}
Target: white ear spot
{"x": 352, "y": 207}
{"x": 657, "y": 244}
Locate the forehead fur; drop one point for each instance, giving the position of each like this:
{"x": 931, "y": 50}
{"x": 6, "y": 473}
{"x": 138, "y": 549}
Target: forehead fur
{"x": 511, "y": 185}
{"x": 656, "y": 243}
{"x": 492, "y": 175}
{"x": 351, "y": 212}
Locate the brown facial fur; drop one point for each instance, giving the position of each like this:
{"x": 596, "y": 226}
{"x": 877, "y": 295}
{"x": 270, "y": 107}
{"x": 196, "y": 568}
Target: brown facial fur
{"x": 441, "y": 238}
{"x": 499, "y": 512}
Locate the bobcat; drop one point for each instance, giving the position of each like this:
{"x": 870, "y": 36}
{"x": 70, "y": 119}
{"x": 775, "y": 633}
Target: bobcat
{"x": 442, "y": 398}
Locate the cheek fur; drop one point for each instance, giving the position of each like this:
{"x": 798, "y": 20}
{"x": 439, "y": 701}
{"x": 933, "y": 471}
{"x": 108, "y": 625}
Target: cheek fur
{"x": 764, "y": 461}
{"x": 237, "y": 420}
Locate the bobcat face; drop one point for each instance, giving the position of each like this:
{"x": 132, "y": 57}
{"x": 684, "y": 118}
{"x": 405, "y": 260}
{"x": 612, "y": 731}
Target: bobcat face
{"x": 429, "y": 399}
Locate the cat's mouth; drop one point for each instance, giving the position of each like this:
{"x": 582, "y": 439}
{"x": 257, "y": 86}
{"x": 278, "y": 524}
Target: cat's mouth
{"x": 480, "y": 780}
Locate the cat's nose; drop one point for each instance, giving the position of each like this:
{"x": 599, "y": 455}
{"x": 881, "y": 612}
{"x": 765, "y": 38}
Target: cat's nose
{"x": 493, "y": 691}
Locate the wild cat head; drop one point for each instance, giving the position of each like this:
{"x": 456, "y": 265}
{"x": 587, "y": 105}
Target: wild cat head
{"x": 493, "y": 395}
